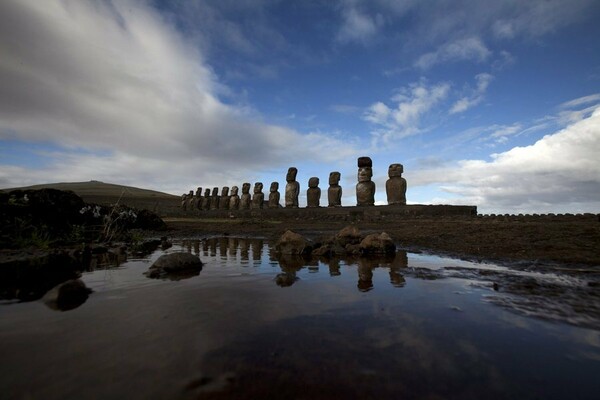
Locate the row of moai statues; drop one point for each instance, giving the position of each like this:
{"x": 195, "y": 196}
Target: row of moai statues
{"x": 365, "y": 191}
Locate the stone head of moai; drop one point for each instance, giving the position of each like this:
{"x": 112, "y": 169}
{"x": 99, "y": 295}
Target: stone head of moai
{"x": 291, "y": 174}
{"x": 334, "y": 178}
{"x": 313, "y": 182}
{"x": 199, "y": 192}
{"x": 191, "y": 193}
{"x": 258, "y": 187}
{"x": 234, "y": 190}
{"x": 206, "y": 192}
{"x": 215, "y": 191}
{"x": 365, "y": 174}
{"x": 245, "y": 188}
{"x": 274, "y": 186}
{"x": 225, "y": 191}
{"x": 395, "y": 170}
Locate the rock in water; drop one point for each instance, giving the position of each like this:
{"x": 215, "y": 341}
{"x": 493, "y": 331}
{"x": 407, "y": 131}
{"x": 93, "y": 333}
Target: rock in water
{"x": 376, "y": 243}
{"x": 292, "y": 243}
{"x": 67, "y": 296}
{"x": 182, "y": 265}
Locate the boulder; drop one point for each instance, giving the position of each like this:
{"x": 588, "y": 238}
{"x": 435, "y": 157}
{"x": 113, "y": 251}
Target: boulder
{"x": 377, "y": 243}
{"x": 348, "y": 235}
{"x": 292, "y": 243}
{"x": 67, "y": 295}
{"x": 175, "y": 266}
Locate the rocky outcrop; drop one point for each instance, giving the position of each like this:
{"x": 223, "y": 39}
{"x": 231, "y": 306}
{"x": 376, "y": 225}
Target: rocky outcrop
{"x": 67, "y": 295}
{"x": 377, "y": 243}
{"x": 175, "y": 266}
{"x": 292, "y": 243}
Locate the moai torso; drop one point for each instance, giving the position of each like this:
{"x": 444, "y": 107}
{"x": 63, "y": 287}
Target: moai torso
{"x": 183, "y": 201}
{"x": 365, "y": 188}
{"x": 313, "y": 194}
{"x": 224, "y": 200}
{"x": 245, "y": 198}
{"x": 274, "y": 195}
{"x": 214, "y": 201}
{"x": 234, "y": 200}
{"x": 198, "y": 199}
{"x": 292, "y": 188}
{"x": 334, "y": 193}
{"x": 259, "y": 197}
{"x": 206, "y": 200}
{"x": 189, "y": 204}
{"x": 395, "y": 187}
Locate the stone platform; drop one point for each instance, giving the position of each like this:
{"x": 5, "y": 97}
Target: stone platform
{"x": 387, "y": 212}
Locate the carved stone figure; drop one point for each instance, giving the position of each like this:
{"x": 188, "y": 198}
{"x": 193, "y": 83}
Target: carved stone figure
{"x": 334, "y": 193}
{"x": 198, "y": 199}
{"x": 206, "y": 200}
{"x": 245, "y": 198}
{"x": 224, "y": 200}
{"x": 190, "y": 201}
{"x": 313, "y": 194}
{"x": 183, "y": 201}
{"x": 395, "y": 187}
{"x": 365, "y": 188}
{"x": 214, "y": 201}
{"x": 234, "y": 199}
{"x": 292, "y": 188}
{"x": 259, "y": 197}
{"x": 274, "y": 195}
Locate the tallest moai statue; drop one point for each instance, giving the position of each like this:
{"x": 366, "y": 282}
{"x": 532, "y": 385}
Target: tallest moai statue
{"x": 365, "y": 188}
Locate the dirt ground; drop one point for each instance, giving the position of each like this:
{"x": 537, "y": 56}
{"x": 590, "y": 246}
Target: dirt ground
{"x": 570, "y": 240}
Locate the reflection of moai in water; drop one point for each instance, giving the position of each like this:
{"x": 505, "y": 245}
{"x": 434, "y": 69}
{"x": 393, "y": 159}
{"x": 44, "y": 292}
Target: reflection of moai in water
{"x": 245, "y": 198}
{"x": 274, "y": 195}
{"x": 334, "y": 193}
{"x": 292, "y": 188}
{"x": 259, "y": 197}
{"x": 365, "y": 188}
{"x": 224, "y": 200}
{"x": 206, "y": 200}
{"x": 214, "y": 201}
{"x": 313, "y": 194}
{"x": 234, "y": 199}
{"x": 395, "y": 187}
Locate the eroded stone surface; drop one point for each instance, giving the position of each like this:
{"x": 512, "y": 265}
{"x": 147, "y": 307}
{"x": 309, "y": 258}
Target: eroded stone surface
{"x": 224, "y": 200}
{"x": 292, "y": 188}
{"x": 334, "y": 193}
{"x": 206, "y": 200}
{"x": 245, "y": 198}
{"x": 313, "y": 194}
{"x": 259, "y": 197}
{"x": 214, "y": 201}
{"x": 395, "y": 187}
{"x": 365, "y": 188}
{"x": 291, "y": 243}
{"x": 234, "y": 199}
{"x": 274, "y": 195}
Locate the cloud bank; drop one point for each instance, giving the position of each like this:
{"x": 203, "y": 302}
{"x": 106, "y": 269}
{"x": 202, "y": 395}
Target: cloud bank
{"x": 116, "y": 79}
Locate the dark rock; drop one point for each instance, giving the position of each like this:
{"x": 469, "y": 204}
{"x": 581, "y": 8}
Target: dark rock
{"x": 375, "y": 243}
{"x": 292, "y": 243}
{"x": 67, "y": 295}
{"x": 175, "y": 266}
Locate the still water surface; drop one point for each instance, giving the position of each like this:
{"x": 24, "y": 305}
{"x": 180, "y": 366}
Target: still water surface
{"x": 252, "y": 325}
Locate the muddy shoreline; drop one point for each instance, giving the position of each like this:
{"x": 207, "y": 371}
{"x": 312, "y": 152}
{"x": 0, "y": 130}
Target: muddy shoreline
{"x": 566, "y": 241}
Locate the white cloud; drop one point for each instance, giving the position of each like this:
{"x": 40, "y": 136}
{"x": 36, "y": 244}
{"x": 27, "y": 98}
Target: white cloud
{"x": 403, "y": 118}
{"x": 558, "y": 173}
{"x": 117, "y": 80}
{"x": 469, "y": 49}
{"x": 476, "y": 97}
{"x": 357, "y": 26}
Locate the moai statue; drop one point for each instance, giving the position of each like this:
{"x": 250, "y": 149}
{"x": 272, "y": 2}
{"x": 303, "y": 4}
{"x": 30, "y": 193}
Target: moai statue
{"x": 214, "y": 201}
{"x": 274, "y": 195}
{"x": 365, "y": 188}
{"x": 395, "y": 187}
{"x": 259, "y": 196}
{"x": 334, "y": 193}
{"x": 189, "y": 203}
{"x": 292, "y": 188}
{"x": 313, "y": 194}
{"x": 198, "y": 199}
{"x": 245, "y": 199}
{"x": 234, "y": 199}
{"x": 206, "y": 200}
{"x": 224, "y": 200}
{"x": 183, "y": 201}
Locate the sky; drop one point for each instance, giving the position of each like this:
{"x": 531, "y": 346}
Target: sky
{"x": 487, "y": 103}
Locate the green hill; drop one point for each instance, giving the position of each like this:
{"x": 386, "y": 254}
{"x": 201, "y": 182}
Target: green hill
{"x": 98, "y": 192}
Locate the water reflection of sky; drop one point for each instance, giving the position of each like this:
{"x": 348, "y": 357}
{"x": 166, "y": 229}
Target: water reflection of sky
{"x": 254, "y": 325}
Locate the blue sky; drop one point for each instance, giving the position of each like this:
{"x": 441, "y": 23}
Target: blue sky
{"x": 491, "y": 103}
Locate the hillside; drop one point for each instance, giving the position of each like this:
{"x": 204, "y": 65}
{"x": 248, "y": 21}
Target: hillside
{"x": 107, "y": 193}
